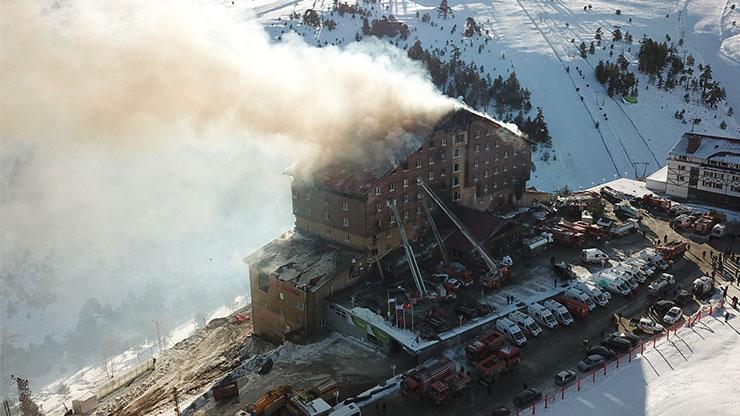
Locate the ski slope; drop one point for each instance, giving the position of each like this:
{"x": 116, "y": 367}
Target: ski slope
{"x": 539, "y": 39}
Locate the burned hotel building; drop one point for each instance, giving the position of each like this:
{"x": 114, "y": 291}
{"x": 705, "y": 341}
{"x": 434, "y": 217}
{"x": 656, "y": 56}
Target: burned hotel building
{"x": 344, "y": 223}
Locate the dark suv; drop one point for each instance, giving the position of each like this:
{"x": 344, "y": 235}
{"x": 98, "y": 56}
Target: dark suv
{"x": 527, "y": 396}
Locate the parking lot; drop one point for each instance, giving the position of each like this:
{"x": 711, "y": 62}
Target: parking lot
{"x": 562, "y": 348}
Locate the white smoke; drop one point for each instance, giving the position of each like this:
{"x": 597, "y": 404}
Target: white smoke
{"x": 146, "y": 143}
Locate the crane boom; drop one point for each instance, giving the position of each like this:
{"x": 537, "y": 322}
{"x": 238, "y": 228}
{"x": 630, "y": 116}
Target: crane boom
{"x": 435, "y": 231}
{"x": 410, "y": 256}
{"x": 463, "y": 229}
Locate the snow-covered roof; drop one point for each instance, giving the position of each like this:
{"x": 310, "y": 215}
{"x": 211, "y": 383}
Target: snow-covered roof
{"x": 660, "y": 175}
{"x": 716, "y": 148}
{"x": 303, "y": 260}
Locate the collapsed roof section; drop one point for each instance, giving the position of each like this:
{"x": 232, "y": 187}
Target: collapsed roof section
{"x": 302, "y": 260}
{"x": 358, "y": 177}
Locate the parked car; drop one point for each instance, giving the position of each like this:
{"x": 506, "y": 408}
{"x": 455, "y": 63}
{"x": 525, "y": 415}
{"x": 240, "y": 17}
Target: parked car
{"x": 526, "y": 397}
{"x": 632, "y": 338}
{"x": 673, "y": 315}
{"x": 682, "y": 297}
{"x": 591, "y": 362}
{"x": 501, "y": 411}
{"x": 661, "y": 283}
{"x": 648, "y": 326}
{"x": 660, "y": 307}
{"x": 565, "y": 377}
{"x": 602, "y": 351}
{"x": 617, "y": 344}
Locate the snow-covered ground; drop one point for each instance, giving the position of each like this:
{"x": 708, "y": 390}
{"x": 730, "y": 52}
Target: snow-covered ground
{"x": 86, "y": 381}
{"x": 696, "y": 372}
{"x": 533, "y": 38}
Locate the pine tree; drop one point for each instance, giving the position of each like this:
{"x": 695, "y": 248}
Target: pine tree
{"x": 443, "y": 9}
{"x": 591, "y": 49}
{"x": 617, "y": 35}
{"x": 723, "y": 125}
{"x": 583, "y": 50}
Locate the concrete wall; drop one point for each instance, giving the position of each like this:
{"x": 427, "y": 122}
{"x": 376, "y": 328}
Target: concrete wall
{"x": 341, "y": 320}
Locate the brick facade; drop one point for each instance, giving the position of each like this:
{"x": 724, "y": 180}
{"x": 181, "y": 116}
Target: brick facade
{"x": 468, "y": 159}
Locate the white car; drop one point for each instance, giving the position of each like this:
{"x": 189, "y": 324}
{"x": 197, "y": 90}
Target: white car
{"x": 649, "y": 327}
{"x": 673, "y": 315}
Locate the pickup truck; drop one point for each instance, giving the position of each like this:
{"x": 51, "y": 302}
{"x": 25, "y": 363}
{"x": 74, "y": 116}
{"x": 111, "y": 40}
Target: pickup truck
{"x": 661, "y": 283}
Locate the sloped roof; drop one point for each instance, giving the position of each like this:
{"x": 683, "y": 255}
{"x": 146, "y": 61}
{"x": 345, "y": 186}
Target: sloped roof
{"x": 717, "y": 148}
{"x": 360, "y": 177}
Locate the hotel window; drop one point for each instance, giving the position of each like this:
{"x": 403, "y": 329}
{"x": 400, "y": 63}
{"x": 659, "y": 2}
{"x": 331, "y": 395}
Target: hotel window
{"x": 308, "y": 210}
{"x": 488, "y": 160}
{"x": 431, "y": 144}
{"x": 475, "y": 164}
{"x": 345, "y": 206}
{"x": 459, "y": 137}
{"x": 443, "y": 155}
{"x": 455, "y": 181}
{"x": 405, "y": 198}
{"x": 391, "y": 187}
{"x": 392, "y": 220}
{"x": 456, "y": 167}
{"x": 346, "y": 237}
{"x": 485, "y": 173}
{"x": 378, "y": 207}
{"x": 444, "y": 141}
{"x": 456, "y": 196}
{"x": 405, "y": 183}
{"x": 328, "y": 230}
{"x": 418, "y": 164}
{"x": 431, "y": 175}
{"x": 443, "y": 172}
{"x": 477, "y": 148}
{"x": 506, "y": 154}
{"x": 405, "y": 214}
{"x": 456, "y": 153}
{"x": 431, "y": 160}
{"x": 308, "y": 196}
{"x": 377, "y": 190}
{"x": 488, "y": 146}
{"x": 477, "y": 134}
{"x": 418, "y": 210}
{"x": 326, "y": 216}
{"x": 345, "y": 222}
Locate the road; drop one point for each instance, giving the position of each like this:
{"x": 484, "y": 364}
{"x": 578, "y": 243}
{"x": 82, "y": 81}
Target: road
{"x": 561, "y": 348}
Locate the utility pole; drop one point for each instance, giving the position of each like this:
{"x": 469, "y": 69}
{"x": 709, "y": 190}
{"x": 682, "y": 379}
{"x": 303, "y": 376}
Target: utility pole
{"x": 159, "y": 337}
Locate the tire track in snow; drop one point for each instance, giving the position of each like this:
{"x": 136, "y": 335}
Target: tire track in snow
{"x": 557, "y": 55}
{"x": 617, "y": 104}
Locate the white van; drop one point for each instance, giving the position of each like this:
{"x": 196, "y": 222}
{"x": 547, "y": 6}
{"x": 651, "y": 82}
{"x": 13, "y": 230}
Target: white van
{"x": 611, "y": 282}
{"x": 559, "y": 311}
{"x": 627, "y": 274}
{"x": 577, "y": 294}
{"x": 603, "y": 297}
{"x": 653, "y": 258}
{"x": 512, "y": 331}
{"x": 542, "y": 315}
{"x": 593, "y": 255}
{"x": 526, "y": 323}
{"x": 593, "y": 293}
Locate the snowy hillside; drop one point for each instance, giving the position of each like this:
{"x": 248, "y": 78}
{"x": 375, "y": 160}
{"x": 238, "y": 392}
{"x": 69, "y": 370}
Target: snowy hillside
{"x": 670, "y": 380}
{"x": 539, "y": 40}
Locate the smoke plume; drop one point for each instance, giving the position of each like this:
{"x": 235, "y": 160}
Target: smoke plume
{"x": 132, "y": 73}
{"x": 143, "y": 145}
